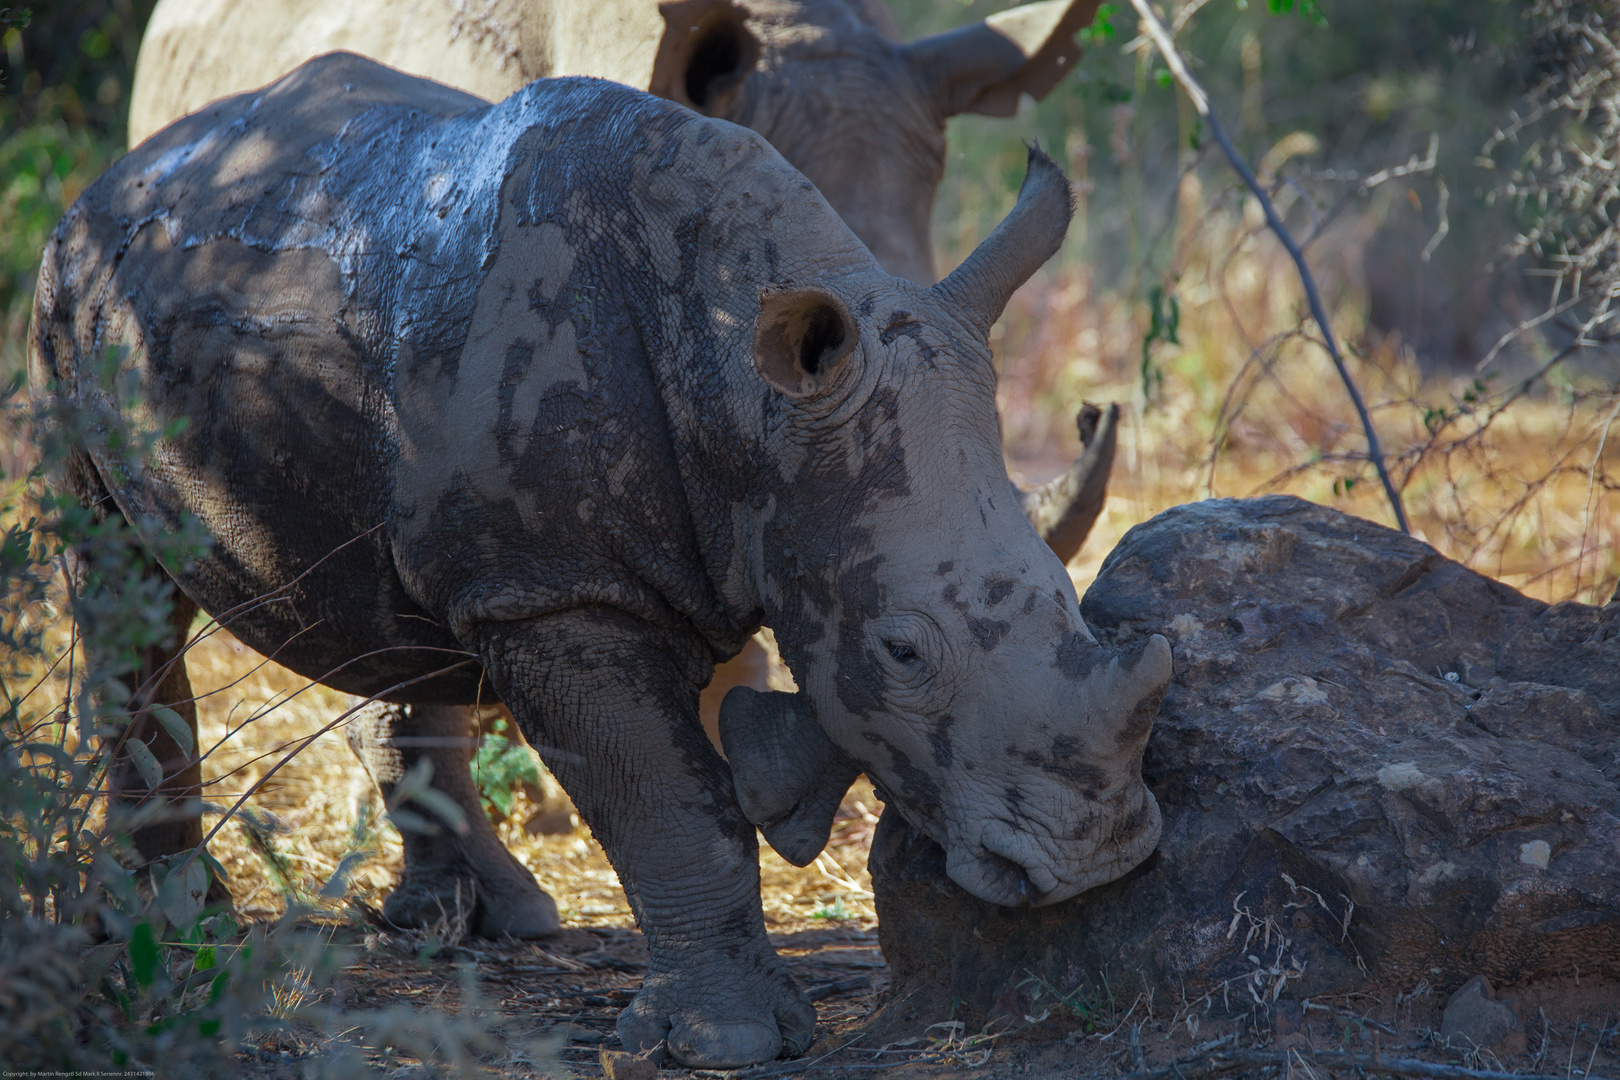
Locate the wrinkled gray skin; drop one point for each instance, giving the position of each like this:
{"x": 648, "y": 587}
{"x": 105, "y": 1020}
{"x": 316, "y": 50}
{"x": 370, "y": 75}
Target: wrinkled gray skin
{"x": 589, "y": 387}
{"x": 859, "y": 113}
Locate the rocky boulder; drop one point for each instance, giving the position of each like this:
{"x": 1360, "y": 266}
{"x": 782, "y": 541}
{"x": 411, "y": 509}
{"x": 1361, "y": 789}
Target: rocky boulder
{"x": 1376, "y": 767}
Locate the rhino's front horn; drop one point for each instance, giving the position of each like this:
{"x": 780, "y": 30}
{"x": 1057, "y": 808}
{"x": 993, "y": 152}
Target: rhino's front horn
{"x": 1127, "y": 700}
{"x": 789, "y": 776}
{"x": 1025, "y": 239}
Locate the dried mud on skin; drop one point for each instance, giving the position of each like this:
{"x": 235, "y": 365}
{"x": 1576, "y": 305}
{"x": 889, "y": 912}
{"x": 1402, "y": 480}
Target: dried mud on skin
{"x": 579, "y": 980}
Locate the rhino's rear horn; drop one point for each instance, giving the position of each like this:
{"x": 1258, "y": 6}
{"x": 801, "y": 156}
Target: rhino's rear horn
{"x": 1025, "y": 239}
{"x": 705, "y": 55}
{"x": 789, "y": 776}
{"x": 801, "y": 339}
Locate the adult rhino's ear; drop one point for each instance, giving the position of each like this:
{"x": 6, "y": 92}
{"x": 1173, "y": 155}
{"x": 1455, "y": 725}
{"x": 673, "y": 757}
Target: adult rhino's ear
{"x": 802, "y": 339}
{"x": 984, "y": 67}
{"x": 788, "y": 775}
{"x": 705, "y": 55}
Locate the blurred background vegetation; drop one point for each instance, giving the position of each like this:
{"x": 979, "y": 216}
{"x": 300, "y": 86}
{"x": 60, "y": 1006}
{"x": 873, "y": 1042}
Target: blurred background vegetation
{"x": 66, "y": 67}
{"x": 1420, "y": 148}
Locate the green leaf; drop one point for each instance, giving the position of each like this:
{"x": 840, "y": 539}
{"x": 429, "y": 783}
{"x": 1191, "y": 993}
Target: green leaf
{"x": 215, "y": 867}
{"x": 181, "y": 896}
{"x": 116, "y": 880}
{"x": 145, "y": 763}
{"x": 143, "y": 954}
{"x": 178, "y": 729}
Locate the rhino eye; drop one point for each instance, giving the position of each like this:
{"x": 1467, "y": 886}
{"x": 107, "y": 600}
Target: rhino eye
{"x": 901, "y": 651}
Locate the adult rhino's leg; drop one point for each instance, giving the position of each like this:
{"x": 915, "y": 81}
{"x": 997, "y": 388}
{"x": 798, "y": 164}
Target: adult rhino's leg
{"x": 445, "y": 867}
{"x": 613, "y": 703}
{"x": 159, "y": 679}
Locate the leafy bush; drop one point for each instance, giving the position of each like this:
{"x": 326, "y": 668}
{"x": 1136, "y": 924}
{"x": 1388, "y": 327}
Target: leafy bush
{"x": 107, "y": 962}
{"x": 502, "y": 767}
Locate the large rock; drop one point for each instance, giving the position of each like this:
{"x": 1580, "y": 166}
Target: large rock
{"x": 1374, "y": 765}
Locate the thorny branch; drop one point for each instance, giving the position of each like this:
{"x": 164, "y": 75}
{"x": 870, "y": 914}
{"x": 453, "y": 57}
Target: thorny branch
{"x": 1200, "y": 102}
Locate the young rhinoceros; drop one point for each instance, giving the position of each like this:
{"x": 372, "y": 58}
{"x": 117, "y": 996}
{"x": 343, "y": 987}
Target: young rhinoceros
{"x": 589, "y": 386}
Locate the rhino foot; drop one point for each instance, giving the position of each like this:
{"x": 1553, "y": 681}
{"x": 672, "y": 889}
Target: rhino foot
{"x": 712, "y": 1019}
{"x": 499, "y": 901}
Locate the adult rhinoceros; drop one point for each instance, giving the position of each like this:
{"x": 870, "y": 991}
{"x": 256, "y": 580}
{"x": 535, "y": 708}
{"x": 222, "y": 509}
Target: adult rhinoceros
{"x": 589, "y": 386}
{"x": 860, "y": 114}
{"x": 824, "y": 80}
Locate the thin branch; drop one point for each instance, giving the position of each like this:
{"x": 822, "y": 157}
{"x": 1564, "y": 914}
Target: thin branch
{"x": 342, "y": 718}
{"x": 1200, "y": 102}
{"x": 1232, "y": 1060}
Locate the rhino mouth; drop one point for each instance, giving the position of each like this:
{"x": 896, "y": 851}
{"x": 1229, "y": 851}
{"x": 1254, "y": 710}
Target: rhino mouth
{"x": 993, "y": 877}
{"x": 1002, "y": 870}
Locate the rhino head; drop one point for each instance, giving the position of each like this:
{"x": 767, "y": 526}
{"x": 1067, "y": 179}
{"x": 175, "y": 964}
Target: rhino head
{"x": 936, "y": 639}
{"x": 859, "y": 113}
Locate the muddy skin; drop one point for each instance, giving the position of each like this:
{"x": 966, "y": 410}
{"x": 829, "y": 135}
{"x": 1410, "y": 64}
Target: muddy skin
{"x": 576, "y": 392}
{"x": 827, "y": 83}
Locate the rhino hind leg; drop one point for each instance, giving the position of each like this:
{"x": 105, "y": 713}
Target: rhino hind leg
{"x": 159, "y": 679}
{"x": 444, "y": 869}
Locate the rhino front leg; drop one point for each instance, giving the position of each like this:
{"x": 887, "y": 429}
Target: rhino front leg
{"x": 612, "y": 704}
{"x": 499, "y": 893}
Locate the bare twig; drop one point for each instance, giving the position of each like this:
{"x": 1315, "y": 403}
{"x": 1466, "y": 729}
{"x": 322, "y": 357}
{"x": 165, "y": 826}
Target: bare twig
{"x": 343, "y": 717}
{"x": 1232, "y": 1060}
{"x": 1200, "y": 102}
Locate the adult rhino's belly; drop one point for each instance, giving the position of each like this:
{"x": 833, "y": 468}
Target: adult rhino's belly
{"x": 284, "y": 458}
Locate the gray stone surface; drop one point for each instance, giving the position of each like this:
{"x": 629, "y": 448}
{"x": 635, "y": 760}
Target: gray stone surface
{"x": 1473, "y": 1018}
{"x": 1375, "y": 766}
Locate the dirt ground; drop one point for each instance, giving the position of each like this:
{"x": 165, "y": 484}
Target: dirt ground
{"x": 548, "y": 1008}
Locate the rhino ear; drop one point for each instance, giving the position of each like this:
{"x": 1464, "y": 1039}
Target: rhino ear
{"x": 788, "y": 775}
{"x": 802, "y": 338}
{"x": 984, "y": 67}
{"x": 706, "y": 54}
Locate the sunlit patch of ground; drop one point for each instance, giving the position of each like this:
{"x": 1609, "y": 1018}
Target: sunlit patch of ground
{"x": 323, "y": 802}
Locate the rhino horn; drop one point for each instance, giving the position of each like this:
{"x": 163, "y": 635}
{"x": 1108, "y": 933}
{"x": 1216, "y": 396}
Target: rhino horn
{"x": 1130, "y": 700}
{"x": 1064, "y": 508}
{"x": 985, "y": 67}
{"x": 706, "y": 54}
{"x": 1026, "y": 238}
{"x": 789, "y": 776}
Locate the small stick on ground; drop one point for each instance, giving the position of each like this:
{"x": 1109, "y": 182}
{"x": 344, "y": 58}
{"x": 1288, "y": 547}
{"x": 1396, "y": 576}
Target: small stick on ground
{"x": 1227, "y": 1061}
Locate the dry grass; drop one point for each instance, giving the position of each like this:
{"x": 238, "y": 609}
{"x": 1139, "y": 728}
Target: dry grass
{"x": 322, "y": 798}
{"x": 1514, "y": 485}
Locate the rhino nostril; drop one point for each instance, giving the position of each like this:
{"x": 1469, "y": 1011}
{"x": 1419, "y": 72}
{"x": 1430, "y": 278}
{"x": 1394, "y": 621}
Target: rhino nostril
{"x": 1008, "y": 879}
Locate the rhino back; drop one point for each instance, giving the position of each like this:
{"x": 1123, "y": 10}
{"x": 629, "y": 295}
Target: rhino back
{"x": 433, "y": 352}
{"x": 197, "y": 51}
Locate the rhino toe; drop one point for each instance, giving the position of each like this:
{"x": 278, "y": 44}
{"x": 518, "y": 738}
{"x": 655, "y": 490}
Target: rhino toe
{"x": 528, "y": 915}
{"x": 494, "y": 903}
{"x": 728, "y": 1029}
